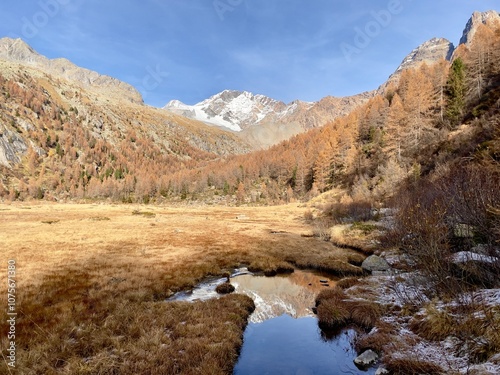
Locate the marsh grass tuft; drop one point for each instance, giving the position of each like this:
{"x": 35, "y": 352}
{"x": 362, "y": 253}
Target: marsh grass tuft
{"x": 335, "y": 310}
{"x": 225, "y": 288}
{"x": 347, "y": 282}
{"x": 377, "y": 340}
{"x": 148, "y": 214}
{"x": 365, "y": 314}
{"x": 50, "y": 222}
{"x": 412, "y": 366}
{"x": 332, "y": 315}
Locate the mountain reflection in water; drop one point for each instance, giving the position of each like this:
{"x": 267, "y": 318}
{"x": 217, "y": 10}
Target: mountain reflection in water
{"x": 274, "y": 296}
{"x": 283, "y": 336}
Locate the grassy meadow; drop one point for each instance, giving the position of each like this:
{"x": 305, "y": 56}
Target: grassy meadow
{"x": 92, "y": 280}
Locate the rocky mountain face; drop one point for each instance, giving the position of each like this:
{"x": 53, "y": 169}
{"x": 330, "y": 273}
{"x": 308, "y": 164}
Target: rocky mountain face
{"x": 235, "y": 110}
{"x": 490, "y": 18}
{"x": 43, "y": 102}
{"x": 16, "y": 50}
{"x": 241, "y": 111}
{"x": 263, "y": 121}
{"x": 437, "y": 49}
{"x": 430, "y": 52}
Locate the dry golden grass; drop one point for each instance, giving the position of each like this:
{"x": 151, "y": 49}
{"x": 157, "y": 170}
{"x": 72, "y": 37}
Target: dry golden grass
{"x": 365, "y": 314}
{"x": 479, "y": 322}
{"x": 358, "y": 236}
{"x": 378, "y": 339}
{"x": 410, "y": 366}
{"x": 92, "y": 280}
{"x": 347, "y": 282}
{"x": 335, "y": 309}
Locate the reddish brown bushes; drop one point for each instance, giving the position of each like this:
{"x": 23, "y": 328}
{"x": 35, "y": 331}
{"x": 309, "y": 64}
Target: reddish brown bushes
{"x": 452, "y": 212}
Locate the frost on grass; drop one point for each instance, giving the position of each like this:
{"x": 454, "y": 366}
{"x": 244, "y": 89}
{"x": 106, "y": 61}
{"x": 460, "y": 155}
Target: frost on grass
{"x": 421, "y": 330}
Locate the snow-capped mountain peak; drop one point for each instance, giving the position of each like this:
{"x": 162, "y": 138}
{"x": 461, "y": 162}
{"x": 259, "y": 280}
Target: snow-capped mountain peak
{"x": 242, "y": 110}
{"x": 231, "y": 109}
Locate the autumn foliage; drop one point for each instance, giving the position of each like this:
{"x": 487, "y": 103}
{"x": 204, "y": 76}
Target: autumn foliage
{"x": 405, "y": 131}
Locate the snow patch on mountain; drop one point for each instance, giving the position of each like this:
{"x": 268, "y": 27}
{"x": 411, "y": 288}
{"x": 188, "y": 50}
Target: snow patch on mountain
{"x": 235, "y": 110}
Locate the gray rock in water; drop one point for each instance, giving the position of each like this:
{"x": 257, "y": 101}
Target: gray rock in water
{"x": 375, "y": 263}
{"x": 366, "y": 359}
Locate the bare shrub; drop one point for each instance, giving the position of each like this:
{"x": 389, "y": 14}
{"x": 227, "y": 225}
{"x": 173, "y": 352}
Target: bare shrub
{"x": 308, "y": 216}
{"x": 422, "y": 232}
{"x": 322, "y": 229}
{"x": 473, "y": 193}
{"x": 349, "y": 211}
{"x": 440, "y": 215}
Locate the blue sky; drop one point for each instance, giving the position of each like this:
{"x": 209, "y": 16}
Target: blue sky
{"x": 191, "y": 49}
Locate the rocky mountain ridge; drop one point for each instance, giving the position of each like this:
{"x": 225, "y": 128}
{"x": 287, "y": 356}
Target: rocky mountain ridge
{"x": 241, "y": 110}
{"x": 431, "y": 51}
{"x": 437, "y": 49}
{"x": 264, "y": 121}
{"x": 16, "y": 50}
{"x": 490, "y": 18}
{"x": 53, "y": 99}
{"x": 235, "y": 110}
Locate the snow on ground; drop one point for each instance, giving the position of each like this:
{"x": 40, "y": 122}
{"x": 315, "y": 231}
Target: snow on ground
{"x": 402, "y": 288}
{"x": 467, "y": 256}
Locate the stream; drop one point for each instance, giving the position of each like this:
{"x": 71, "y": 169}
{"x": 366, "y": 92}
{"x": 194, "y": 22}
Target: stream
{"x": 283, "y": 336}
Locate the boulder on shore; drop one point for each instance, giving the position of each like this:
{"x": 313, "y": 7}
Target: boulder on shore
{"x": 366, "y": 359}
{"x": 375, "y": 263}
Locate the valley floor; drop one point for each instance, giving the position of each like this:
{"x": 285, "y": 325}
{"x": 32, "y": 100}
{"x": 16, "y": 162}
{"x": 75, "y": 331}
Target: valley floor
{"x": 91, "y": 280}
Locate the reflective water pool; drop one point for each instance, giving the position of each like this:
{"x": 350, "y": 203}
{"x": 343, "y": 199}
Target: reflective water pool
{"x": 283, "y": 336}
{"x": 289, "y": 346}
